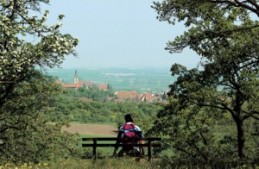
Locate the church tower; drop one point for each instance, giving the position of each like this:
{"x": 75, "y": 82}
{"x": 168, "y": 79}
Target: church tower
{"x": 76, "y": 79}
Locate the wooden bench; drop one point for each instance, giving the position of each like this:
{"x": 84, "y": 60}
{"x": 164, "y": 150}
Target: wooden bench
{"x": 149, "y": 143}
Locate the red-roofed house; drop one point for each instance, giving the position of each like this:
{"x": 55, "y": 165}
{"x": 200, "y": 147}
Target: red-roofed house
{"x": 149, "y": 97}
{"x": 124, "y": 95}
{"x": 78, "y": 84}
{"x": 103, "y": 86}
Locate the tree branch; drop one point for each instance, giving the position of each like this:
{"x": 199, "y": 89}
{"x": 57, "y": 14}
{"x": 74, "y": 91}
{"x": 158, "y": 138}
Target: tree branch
{"x": 251, "y": 114}
{"x": 249, "y": 4}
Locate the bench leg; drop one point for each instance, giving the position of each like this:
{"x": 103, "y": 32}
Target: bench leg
{"x": 149, "y": 150}
{"x": 94, "y": 149}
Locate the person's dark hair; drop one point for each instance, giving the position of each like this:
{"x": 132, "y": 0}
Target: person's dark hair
{"x": 128, "y": 118}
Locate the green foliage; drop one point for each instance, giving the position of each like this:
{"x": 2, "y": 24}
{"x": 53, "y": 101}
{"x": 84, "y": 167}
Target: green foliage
{"x": 92, "y": 93}
{"x": 27, "y": 135}
{"x": 26, "y": 42}
{"x": 76, "y": 110}
{"x": 211, "y": 106}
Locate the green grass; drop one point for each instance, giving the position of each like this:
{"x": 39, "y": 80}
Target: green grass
{"x": 112, "y": 163}
{"x": 123, "y": 163}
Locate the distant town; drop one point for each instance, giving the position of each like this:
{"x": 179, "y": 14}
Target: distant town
{"x": 119, "y": 95}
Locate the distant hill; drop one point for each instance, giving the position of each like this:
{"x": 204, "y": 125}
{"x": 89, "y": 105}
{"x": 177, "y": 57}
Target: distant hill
{"x": 144, "y": 79}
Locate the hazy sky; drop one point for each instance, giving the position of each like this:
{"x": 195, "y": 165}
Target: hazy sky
{"x": 118, "y": 33}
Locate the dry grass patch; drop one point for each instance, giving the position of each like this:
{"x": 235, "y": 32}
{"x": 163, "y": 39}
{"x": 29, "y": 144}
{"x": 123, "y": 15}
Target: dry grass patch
{"x": 91, "y": 129}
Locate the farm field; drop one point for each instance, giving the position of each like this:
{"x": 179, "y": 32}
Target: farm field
{"x": 91, "y": 129}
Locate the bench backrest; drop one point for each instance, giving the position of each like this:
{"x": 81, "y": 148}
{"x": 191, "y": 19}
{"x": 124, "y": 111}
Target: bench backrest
{"x": 149, "y": 142}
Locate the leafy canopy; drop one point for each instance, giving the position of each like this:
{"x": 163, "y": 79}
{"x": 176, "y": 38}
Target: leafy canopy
{"x": 27, "y": 42}
{"x": 225, "y": 34}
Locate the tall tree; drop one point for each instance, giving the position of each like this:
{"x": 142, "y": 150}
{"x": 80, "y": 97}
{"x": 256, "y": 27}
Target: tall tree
{"x": 225, "y": 34}
{"x": 27, "y": 41}
{"x": 26, "y": 133}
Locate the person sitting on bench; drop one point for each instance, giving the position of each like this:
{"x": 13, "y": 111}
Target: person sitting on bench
{"x": 129, "y": 135}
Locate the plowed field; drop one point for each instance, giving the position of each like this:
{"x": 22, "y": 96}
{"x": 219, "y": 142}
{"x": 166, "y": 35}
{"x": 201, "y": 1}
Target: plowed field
{"x": 91, "y": 129}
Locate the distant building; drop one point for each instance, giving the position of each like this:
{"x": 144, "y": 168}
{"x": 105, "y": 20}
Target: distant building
{"x": 76, "y": 78}
{"x": 126, "y": 95}
{"x": 86, "y": 84}
{"x": 120, "y": 95}
{"x": 74, "y": 85}
{"x": 78, "y": 84}
{"x": 103, "y": 87}
{"x": 149, "y": 97}
{"x": 141, "y": 97}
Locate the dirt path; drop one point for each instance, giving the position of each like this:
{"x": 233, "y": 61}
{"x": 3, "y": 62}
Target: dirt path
{"x": 91, "y": 129}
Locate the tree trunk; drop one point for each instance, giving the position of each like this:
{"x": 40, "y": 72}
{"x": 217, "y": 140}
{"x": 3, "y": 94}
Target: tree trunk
{"x": 240, "y": 137}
